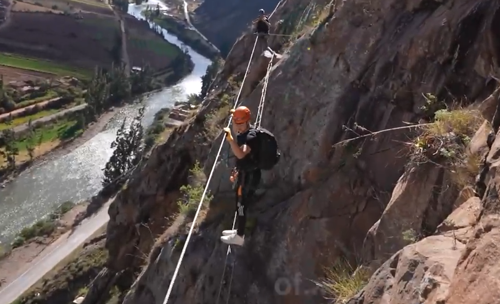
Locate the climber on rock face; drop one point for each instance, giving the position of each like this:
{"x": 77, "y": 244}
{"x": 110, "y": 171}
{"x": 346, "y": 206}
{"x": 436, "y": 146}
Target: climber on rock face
{"x": 246, "y": 174}
{"x": 262, "y": 24}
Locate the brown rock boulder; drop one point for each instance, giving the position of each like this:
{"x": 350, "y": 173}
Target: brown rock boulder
{"x": 477, "y": 278}
{"x": 422, "y": 198}
{"x": 419, "y": 273}
{"x": 460, "y": 223}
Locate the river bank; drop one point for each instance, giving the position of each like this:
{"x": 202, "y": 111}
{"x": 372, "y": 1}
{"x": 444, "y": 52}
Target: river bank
{"x": 57, "y": 146}
{"x": 51, "y": 150}
{"x": 77, "y": 175}
{"x": 74, "y": 172}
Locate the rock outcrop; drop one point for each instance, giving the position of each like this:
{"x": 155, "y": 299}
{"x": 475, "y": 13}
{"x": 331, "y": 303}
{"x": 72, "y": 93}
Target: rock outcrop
{"x": 359, "y": 70}
{"x": 457, "y": 265}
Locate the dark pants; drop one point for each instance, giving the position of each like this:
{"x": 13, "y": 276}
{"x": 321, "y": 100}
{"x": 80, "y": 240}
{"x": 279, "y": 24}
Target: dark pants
{"x": 249, "y": 181}
{"x": 261, "y": 28}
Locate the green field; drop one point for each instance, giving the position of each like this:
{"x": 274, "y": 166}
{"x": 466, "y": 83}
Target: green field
{"x": 43, "y": 66}
{"x": 25, "y": 119}
{"x": 94, "y": 3}
{"x": 64, "y": 129}
{"x": 159, "y": 47}
{"x": 186, "y": 35}
{"x": 49, "y": 95}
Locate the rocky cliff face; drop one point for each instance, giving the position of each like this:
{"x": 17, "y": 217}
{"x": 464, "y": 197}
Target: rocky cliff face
{"x": 222, "y": 22}
{"x": 362, "y": 67}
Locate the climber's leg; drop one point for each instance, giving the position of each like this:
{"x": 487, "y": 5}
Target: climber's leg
{"x": 245, "y": 196}
{"x": 234, "y": 180}
{"x": 237, "y": 237}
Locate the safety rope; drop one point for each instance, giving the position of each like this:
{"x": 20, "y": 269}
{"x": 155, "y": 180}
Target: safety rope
{"x": 176, "y": 272}
{"x": 280, "y": 35}
{"x": 275, "y": 9}
{"x": 258, "y": 120}
{"x": 225, "y": 264}
{"x": 260, "y": 109}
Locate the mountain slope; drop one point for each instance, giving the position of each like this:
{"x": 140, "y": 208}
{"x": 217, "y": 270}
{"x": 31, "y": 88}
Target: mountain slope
{"x": 356, "y": 67}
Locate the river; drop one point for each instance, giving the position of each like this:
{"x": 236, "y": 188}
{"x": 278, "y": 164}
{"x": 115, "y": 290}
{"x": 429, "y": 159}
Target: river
{"x": 76, "y": 176}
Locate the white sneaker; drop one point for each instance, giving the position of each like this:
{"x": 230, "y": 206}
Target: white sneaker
{"x": 233, "y": 239}
{"x": 229, "y": 232}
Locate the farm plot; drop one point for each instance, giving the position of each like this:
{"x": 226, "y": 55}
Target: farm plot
{"x": 30, "y": 7}
{"x": 84, "y": 42}
{"x": 15, "y": 74}
{"x": 40, "y": 66}
{"x": 145, "y": 46}
{"x": 63, "y": 6}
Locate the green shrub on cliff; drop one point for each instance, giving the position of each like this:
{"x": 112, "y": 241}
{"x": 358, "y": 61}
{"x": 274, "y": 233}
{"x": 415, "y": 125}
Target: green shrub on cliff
{"x": 445, "y": 141}
{"x": 192, "y": 192}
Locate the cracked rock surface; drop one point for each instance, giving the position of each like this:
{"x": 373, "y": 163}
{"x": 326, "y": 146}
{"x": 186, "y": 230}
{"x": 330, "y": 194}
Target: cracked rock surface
{"x": 367, "y": 65}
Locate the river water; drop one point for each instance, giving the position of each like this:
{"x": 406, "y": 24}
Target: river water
{"x": 77, "y": 175}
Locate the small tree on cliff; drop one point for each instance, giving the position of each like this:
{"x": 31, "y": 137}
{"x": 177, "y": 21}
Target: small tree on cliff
{"x": 128, "y": 151}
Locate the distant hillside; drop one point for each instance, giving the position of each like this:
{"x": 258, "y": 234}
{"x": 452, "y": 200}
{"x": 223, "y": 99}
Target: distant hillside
{"x": 223, "y": 21}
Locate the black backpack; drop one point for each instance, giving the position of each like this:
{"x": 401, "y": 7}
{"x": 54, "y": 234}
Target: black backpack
{"x": 268, "y": 154}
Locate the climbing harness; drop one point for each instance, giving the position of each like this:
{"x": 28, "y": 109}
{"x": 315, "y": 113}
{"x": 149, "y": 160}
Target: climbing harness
{"x": 176, "y": 271}
{"x": 258, "y": 120}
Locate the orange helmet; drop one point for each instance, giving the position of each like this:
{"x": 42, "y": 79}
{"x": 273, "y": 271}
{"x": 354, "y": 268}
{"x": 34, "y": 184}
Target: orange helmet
{"x": 241, "y": 115}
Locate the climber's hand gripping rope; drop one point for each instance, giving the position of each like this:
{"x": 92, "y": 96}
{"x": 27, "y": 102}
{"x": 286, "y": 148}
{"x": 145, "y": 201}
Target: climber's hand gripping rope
{"x": 229, "y": 136}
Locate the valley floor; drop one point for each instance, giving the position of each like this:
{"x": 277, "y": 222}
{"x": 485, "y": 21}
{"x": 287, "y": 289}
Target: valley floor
{"x": 76, "y": 36}
{"x": 24, "y": 60}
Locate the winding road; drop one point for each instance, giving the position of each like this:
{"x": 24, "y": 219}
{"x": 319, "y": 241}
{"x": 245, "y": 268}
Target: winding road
{"x": 186, "y": 14}
{"x": 52, "y": 255}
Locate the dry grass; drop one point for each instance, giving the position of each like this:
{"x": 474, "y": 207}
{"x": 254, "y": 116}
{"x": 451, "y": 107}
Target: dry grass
{"x": 444, "y": 142}
{"x": 342, "y": 281}
{"x": 410, "y": 236}
{"x": 174, "y": 223}
{"x": 464, "y": 175}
